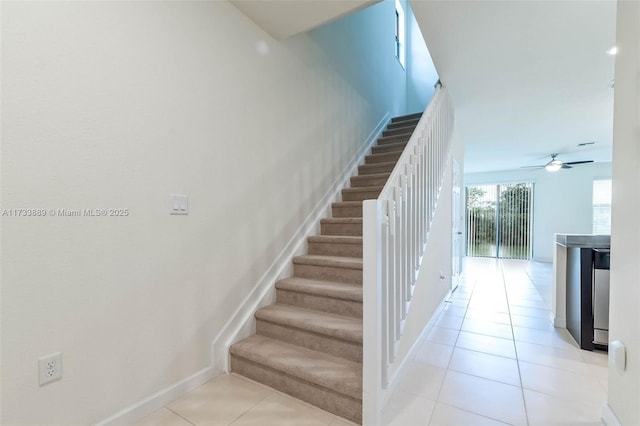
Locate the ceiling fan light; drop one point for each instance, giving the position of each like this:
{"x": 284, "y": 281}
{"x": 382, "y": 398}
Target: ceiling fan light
{"x": 553, "y": 166}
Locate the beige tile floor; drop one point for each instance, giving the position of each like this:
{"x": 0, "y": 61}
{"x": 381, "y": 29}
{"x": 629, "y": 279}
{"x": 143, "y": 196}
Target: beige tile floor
{"x": 492, "y": 358}
{"x": 235, "y": 400}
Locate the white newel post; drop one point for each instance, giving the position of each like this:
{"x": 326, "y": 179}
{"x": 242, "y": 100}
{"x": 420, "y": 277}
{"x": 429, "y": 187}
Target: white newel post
{"x": 372, "y": 312}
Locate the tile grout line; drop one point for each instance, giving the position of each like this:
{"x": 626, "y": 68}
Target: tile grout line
{"x": 180, "y": 415}
{"x": 474, "y": 413}
{"x": 454, "y": 348}
{"x": 515, "y": 348}
{"x": 496, "y": 381}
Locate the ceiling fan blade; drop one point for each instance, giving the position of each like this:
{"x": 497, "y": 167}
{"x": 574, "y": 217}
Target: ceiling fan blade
{"x": 566, "y": 166}
{"x": 579, "y": 162}
{"x": 532, "y": 167}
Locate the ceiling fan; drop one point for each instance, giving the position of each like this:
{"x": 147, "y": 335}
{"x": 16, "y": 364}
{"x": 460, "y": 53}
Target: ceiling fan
{"x": 554, "y": 165}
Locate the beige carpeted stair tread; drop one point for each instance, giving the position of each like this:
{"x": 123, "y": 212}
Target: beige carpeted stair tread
{"x": 396, "y": 146}
{"x": 399, "y": 131}
{"x": 332, "y": 261}
{"x": 389, "y": 140}
{"x": 343, "y": 220}
{"x": 335, "y": 239}
{"x": 347, "y": 204}
{"x": 362, "y": 189}
{"x": 383, "y": 157}
{"x": 342, "y": 291}
{"x": 328, "y": 371}
{"x": 371, "y": 176}
{"x": 366, "y": 169}
{"x": 361, "y": 193}
{"x": 343, "y": 225}
{"x": 335, "y": 245}
{"x": 401, "y": 127}
{"x": 344, "y": 209}
{"x": 403, "y": 123}
{"x": 406, "y": 117}
{"x": 336, "y": 326}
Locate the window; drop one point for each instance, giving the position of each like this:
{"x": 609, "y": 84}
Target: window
{"x": 400, "y": 33}
{"x": 602, "y": 206}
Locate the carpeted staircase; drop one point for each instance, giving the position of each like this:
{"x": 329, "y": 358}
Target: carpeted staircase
{"x": 309, "y": 343}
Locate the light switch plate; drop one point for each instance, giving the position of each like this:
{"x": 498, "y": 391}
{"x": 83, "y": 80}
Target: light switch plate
{"x": 179, "y": 204}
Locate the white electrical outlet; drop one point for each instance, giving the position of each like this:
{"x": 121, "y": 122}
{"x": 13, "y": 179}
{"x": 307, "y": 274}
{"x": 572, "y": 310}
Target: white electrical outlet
{"x": 50, "y": 368}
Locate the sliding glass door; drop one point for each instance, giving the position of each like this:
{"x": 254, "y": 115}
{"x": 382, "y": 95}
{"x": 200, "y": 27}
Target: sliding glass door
{"x": 499, "y": 219}
{"x": 482, "y": 203}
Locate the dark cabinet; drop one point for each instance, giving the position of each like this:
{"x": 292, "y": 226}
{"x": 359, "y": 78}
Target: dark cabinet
{"x": 586, "y": 296}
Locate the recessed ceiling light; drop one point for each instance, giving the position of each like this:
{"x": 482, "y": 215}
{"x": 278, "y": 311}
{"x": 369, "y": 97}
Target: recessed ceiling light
{"x": 612, "y": 50}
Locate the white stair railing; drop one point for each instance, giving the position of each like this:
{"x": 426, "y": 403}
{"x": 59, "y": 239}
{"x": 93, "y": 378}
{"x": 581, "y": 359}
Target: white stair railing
{"x": 395, "y": 231}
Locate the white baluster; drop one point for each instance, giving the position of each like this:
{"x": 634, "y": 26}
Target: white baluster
{"x": 398, "y": 261}
{"x": 384, "y": 294}
{"x": 391, "y": 290}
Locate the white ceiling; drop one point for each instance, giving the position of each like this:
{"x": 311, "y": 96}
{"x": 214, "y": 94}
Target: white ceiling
{"x": 284, "y": 18}
{"x": 528, "y": 78}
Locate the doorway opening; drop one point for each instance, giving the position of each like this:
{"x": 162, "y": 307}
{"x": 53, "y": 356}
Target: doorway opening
{"x": 499, "y": 220}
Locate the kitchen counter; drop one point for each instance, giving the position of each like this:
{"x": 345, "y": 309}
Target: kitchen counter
{"x": 584, "y": 240}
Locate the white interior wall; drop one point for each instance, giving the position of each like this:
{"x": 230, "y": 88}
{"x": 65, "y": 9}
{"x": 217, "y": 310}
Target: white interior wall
{"x": 421, "y": 72}
{"x": 562, "y": 201}
{"x": 624, "y": 319}
{"x": 118, "y": 105}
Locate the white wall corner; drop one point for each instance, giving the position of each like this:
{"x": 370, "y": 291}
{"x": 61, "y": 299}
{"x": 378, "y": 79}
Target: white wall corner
{"x": 242, "y": 323}
{"x": 558, "y": 322}
{"x": 609, "y": 417}
{"x": 161, "y": 398}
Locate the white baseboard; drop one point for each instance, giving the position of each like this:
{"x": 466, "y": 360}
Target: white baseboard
{"x": 158, "y": 400}
{"x": 557, "y": 321}
{"x": 242, "y": 323}
{"x": 609, "y": 417}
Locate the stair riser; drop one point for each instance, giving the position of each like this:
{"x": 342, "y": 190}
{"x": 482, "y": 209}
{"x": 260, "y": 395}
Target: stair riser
{"x": 381, "y": 149}
{"x": 399, "y": 131}
{"x": 346, "y": 229}
{"x": 360, "y": 195}
{"x": 374, "y": 181}
{"x": 371, "y": 169}
{"x": 405, "y": 123}
{"x": 382, "y": 158}
{"x": 328, "y": 273}
{"x": 346, "y": 212}
{"x": 332, "y": 249}
{"x": 314, "y": 341}
{"x": 339, "y": 404}
{"x": 347, "y": 308}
